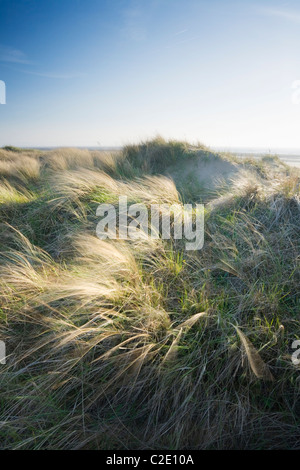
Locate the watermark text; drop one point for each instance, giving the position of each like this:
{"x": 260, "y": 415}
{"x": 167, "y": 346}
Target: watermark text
{"x": 159, "y": 221}
{"x": 2, "y": 92}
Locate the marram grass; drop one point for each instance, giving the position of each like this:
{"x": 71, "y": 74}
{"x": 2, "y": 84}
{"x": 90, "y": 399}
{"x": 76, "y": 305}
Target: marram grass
{"x": 141, "y": 344}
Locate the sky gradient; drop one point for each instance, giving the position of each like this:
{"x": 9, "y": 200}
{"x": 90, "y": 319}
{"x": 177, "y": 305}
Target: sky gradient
{"x": 103, "y": 72}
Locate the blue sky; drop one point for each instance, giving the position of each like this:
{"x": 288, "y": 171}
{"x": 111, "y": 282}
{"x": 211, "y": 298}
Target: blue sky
{"x": 109, "y": 72}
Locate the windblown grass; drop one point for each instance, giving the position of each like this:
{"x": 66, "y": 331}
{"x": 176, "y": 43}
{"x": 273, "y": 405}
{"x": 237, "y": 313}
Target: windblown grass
{"x": 142, "y": 344}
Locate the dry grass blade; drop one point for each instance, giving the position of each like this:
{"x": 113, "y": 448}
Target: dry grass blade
{"x": 172, "y": 352}
{"x": 183, "y": 327}
{"x": 192, "y": 320}
{"x": 258, "y": 366}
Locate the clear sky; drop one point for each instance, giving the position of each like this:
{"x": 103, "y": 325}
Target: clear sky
{"x": 109, "y": 72}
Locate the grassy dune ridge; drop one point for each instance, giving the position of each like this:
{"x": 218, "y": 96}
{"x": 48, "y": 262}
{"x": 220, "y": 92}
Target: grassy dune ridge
{"x": 142, "y": 344}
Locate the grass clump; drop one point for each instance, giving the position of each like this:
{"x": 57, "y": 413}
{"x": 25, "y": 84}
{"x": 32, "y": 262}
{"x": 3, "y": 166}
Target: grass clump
{"x": 151, "y": 156}
{"x": 11, "y": 148}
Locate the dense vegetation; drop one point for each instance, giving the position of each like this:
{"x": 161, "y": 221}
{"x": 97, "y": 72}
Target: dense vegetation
{"x": 142, "y": 344}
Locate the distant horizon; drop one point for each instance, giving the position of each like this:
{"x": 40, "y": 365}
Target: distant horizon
{"x": 255, "y": 150}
